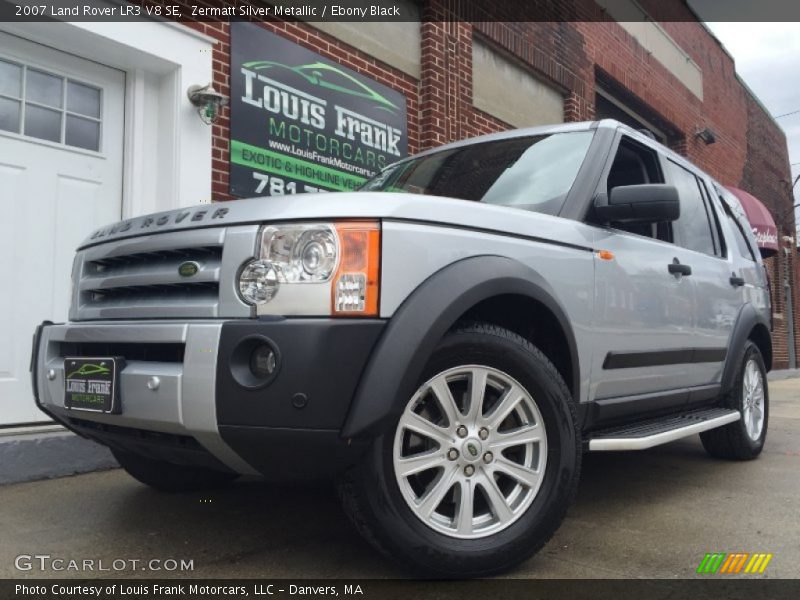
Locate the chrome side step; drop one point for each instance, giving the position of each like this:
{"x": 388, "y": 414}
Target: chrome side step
{"x": 655, "y": 432}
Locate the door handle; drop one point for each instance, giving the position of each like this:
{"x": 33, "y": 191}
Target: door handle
{"x": 736, "y": 281}
{"x": 676, "y": 268}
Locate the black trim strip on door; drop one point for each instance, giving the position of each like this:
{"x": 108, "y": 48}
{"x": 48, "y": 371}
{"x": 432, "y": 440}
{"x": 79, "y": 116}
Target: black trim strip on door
{"x": 659, "y": 358}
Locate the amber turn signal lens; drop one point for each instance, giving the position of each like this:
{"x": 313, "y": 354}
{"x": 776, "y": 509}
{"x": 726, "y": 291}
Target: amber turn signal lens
{"x": 605, "y": 255}
{"x": 355, "y": 287}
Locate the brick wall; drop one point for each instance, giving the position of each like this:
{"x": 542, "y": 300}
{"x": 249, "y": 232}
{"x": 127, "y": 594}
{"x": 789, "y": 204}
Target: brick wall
{"x": 766, "y": 175}
{"x": 573, "y": 57}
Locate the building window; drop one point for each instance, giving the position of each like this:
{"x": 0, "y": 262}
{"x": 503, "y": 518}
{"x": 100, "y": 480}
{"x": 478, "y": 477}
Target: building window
{"x": 46, "y": 106}
{"x": 507, "y": 90}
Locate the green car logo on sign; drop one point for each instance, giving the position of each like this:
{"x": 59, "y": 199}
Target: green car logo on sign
{"x": 188, "y": 269}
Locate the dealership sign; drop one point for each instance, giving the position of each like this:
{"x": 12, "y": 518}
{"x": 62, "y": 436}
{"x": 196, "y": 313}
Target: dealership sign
{"x": 302, "y": 123}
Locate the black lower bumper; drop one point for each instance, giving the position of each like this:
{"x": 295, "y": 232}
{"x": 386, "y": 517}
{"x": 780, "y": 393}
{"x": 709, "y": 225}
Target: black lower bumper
{"x": 318, "y": 365}
{"x": 281, "y": 454}
{"x": 289, "y": 428}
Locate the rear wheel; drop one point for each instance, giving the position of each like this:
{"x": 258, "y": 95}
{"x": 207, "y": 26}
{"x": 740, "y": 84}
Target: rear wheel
{"x": 478, "y": 471}
{"x": 744, "y": 439}
{"x": 169, "y": 477}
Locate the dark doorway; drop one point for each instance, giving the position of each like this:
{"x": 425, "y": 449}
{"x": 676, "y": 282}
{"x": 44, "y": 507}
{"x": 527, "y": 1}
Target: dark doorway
{"x": 606, "y": 107}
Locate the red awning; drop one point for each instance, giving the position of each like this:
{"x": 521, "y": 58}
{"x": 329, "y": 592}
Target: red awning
{"x": 761, "y": 221}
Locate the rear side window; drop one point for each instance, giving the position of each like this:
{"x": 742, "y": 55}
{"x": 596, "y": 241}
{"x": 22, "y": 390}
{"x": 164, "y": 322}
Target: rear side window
{"x": 693, "y": 228}
{"x": 744, "y": 240}
{"x": 745, "y": 251}
{"x": 720, "y": 249}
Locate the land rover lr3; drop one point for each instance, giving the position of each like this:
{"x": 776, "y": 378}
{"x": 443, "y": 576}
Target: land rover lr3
{"x": 445, "y": 343}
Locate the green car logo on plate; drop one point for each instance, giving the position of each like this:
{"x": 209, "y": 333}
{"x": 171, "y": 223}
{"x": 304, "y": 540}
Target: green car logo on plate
{"x": 90, "y": 369}
{"x": 188, "y": 269}
{"x": 328, "y": 77}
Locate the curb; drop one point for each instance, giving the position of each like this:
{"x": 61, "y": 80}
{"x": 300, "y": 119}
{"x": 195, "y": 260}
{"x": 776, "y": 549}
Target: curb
{"x": 783, "y": 374}
{"x": 32, "y": 456}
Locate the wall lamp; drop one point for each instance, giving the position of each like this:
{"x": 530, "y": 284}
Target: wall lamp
{"x": 707, "y": 135}
{"x": 208, "y": 101}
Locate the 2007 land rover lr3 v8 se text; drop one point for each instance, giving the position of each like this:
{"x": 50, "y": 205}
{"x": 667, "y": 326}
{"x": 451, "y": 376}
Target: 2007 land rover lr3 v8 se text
{"x": 445, "y": 343}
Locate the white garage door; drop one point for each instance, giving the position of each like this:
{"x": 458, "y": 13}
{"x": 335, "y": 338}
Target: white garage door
{"x": 61, "y": 125}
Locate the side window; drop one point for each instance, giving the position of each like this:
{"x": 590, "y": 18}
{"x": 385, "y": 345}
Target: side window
{"x": 713, "y": 216}
{"x": 745, "y": 251}
{"x": 693, "y": 228}
{"x": 745, "y": 243}
{"x": 635, "y": 164}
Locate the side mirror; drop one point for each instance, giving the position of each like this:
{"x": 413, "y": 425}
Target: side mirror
{"x": 648, "y": 203}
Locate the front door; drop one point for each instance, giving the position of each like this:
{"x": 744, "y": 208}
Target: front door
{"x": 644, "y": 308}
{"x": 644, "y": 317}
{"x": 61, "y": 127}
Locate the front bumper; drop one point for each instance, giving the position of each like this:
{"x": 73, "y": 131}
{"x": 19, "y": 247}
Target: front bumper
{"x": 199, "y": 414}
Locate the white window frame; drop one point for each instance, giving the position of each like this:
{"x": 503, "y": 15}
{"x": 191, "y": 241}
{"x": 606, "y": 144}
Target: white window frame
{"x": 63, "y": 111}
{"x": 167, "y": 148}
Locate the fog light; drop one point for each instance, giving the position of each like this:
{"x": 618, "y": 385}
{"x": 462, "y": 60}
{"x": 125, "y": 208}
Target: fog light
{"x": 258, "y": 282}
{"x": 263, "y": 361}
{"x": 255, "y": 362}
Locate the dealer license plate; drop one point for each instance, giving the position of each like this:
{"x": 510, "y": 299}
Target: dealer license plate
{"x": 91, "y": 383}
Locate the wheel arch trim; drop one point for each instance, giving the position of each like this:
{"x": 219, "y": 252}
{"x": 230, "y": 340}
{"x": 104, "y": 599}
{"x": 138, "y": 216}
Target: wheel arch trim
{"x": 425, "y": 317}
{"x": 748, "y": 322}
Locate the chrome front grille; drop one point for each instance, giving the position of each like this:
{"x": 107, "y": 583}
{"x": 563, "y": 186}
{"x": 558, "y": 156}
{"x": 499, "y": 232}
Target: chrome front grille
{"x": 140, "y": 278}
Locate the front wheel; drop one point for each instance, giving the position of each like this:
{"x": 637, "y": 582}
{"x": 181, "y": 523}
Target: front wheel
{"x": 477, "y": 472}
{"x": 744, "y": 439}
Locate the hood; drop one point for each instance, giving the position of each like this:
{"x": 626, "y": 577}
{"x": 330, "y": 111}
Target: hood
{"x": 344, "y": 205}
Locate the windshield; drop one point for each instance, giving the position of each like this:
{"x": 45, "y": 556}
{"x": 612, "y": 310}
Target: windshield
{"x": 533, "y": 173}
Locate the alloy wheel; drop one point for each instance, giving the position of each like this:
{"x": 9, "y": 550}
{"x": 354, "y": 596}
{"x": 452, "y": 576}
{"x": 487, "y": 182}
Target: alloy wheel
{"x": 753, "y": 400}
{"x": 470, "y": 451}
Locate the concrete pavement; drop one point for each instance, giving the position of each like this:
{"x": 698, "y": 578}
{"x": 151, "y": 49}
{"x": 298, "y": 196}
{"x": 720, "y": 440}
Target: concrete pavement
{"x": 642, "y": 514}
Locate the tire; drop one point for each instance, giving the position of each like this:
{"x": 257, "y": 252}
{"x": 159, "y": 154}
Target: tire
{"x": 380, "y": 498}
{"x": 743, "y": 439}
{"x": 169, "y": 477}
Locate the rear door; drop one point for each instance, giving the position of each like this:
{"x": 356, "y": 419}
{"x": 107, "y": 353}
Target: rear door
{"x": 717, "y": 295}
{"x": 743, "y": 250}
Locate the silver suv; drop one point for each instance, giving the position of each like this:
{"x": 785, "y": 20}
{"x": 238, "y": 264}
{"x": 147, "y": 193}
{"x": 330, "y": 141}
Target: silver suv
{"x": 445, "y": 343}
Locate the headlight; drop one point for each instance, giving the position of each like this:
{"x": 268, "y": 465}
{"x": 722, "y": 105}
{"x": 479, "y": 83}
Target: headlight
{"x": 301, "y": 253}
{"x": 319, "y": 269}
